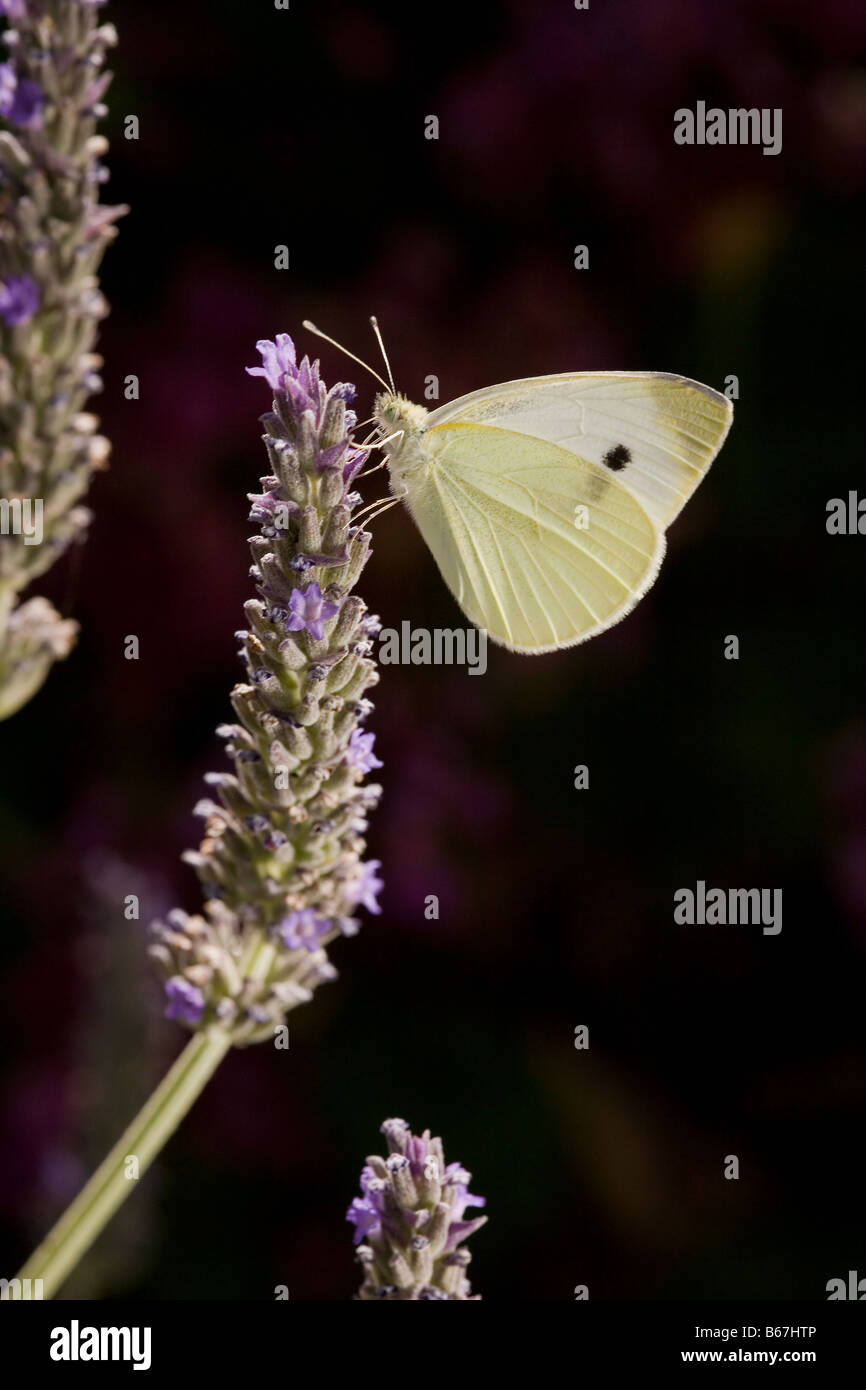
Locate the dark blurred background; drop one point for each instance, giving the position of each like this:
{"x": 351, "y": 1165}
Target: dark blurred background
{"x": 306, "y": 127}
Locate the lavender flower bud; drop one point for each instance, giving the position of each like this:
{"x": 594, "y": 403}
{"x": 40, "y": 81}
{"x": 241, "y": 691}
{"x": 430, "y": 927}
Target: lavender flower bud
{"x": 54, "y": 235}
{"x": 281, "y": 860}
{"x": 410, "y": 1217}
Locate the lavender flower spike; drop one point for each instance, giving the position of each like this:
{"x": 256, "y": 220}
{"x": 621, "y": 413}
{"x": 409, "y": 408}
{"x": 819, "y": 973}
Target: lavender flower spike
{"x": 55, "y": 233}
{"x": 281, "y": 863}
{"x": 410, "y": 1219}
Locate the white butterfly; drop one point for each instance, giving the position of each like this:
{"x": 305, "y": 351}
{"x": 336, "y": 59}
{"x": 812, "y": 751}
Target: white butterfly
{"x": 545, "y": 501}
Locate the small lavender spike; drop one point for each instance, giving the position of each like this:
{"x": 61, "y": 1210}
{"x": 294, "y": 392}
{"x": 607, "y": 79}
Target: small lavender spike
{"x": 409, "y": 1221}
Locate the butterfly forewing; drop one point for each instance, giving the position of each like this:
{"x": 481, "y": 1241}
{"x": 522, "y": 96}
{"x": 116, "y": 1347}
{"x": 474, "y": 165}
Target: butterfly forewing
{"x": 540, "y": 546}
{"x": 658, "y": 433}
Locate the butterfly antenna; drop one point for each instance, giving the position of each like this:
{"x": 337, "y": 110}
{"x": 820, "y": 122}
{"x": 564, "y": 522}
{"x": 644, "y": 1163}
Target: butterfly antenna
{"x": 311, "y": 328}
{"x": 374, "y": 324}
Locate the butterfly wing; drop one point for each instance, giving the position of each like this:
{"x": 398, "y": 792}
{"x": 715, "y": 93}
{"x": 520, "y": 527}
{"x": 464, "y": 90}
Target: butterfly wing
{"x": 659, "y": 432}
{"x": 539, "y": 546}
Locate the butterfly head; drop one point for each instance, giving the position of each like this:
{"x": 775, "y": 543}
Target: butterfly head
{"x": 393, "y": 413}
{"x": 400, "y": 424}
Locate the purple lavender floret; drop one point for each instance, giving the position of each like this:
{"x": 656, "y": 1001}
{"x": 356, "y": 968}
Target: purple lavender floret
{"x": 279, "y": 360}
{"x": 185, "y": 1001}
{"x": 22, "y": 102}
{"x": 365, "y": 888}
{"x": 303, "y": 929}
{"x": 309, "y": 611}
{"x": 19, "y": 299}
{"x": 366, "y": 1212}
{"x": 360, "y": 755}
{"x": 409, "y": 1221}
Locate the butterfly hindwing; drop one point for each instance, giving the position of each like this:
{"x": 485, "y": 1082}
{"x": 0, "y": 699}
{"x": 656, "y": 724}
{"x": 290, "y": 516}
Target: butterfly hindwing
{"x": 538, "y": 545}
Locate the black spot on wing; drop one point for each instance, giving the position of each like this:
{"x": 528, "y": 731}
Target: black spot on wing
{"x": 616, "y": 458}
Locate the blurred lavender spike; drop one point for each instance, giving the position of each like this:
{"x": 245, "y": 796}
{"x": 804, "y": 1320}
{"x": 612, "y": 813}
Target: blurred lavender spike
{"x": 53, "y": 233}
{"x": 410, "y": 1224}
{"x": 281, "y": 862}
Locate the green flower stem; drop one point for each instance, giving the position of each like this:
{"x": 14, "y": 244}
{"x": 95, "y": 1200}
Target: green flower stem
{"x": 152, "y": 1127}
{"x": 155, "y": 1123}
